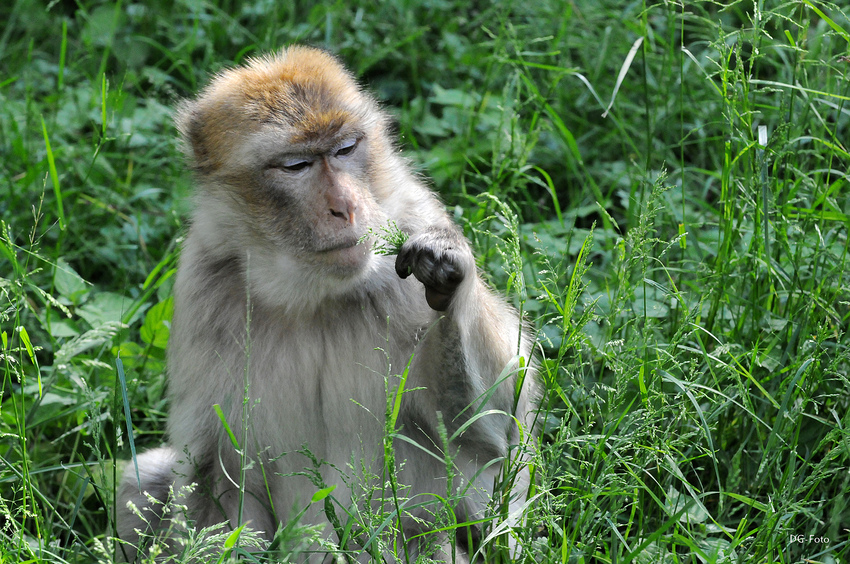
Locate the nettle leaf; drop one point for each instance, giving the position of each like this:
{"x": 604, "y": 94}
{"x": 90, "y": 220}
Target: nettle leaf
{"x": 692, "y": 510}
{"x": 104, "y": 307}
{"x": 454, "y": 97}
{"x": 157, "y": 325}
{"x": 68, "y": 283}
{"x": 58, "y": 325}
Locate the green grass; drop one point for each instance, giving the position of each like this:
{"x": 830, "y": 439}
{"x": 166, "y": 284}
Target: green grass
{"x": 684, "y": 256}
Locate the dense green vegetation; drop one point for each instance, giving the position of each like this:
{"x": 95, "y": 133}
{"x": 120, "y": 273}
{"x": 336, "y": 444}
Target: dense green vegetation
{"x": 661, "y": 188}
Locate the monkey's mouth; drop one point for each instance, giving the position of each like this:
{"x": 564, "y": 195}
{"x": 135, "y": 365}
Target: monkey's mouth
{"x": 344, "y": 258}
{"x": 341, "y": 246}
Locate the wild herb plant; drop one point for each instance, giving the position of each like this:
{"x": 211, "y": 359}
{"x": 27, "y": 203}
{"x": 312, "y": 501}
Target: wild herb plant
{"x": 387, "y": 239}
{"x": 670, "y": 180}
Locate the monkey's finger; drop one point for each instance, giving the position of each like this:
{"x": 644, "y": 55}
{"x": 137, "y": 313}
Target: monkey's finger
{"x": 403, "y": 264}
{"x": 416, "y": 259}
{"x": 441, "y": 275}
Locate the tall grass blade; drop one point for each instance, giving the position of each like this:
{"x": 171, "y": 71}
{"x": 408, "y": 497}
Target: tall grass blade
{"x": 128, "y": 420}
{"x": 624, "y": 69}
{"x": 54, "y": 177}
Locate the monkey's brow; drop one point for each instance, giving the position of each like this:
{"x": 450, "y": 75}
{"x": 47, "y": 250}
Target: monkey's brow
{"x": 320, "y": 146}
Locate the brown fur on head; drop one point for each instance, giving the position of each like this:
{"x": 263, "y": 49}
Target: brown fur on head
{"x": 304, "y": 90}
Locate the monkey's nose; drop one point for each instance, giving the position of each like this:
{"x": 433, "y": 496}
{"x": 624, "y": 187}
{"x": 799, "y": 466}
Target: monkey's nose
{"x": 344, "y": 210}
{"x": 342, "y": 200}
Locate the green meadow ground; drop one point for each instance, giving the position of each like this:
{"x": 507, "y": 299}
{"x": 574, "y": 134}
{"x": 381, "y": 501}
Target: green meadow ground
{"x": 662, "y": 188}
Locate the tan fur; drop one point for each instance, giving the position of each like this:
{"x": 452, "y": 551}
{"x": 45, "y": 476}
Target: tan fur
{"x": 295, "y": 329}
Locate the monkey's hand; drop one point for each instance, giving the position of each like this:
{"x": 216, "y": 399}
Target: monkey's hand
{"x": 439, "y": 258}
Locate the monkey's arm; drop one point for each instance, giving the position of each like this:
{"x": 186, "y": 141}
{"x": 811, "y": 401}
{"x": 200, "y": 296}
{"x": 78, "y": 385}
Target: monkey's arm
{"x": 468, "y": 362}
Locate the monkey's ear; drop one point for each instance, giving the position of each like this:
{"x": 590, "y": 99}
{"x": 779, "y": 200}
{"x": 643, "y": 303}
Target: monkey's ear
{"x": 189, "y": 123}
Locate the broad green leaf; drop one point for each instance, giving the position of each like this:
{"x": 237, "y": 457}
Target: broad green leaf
{"x": 157, "y": 325}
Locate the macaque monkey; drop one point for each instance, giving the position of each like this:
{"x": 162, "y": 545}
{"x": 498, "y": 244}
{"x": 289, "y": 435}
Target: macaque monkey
{"x": 287, "y": 319}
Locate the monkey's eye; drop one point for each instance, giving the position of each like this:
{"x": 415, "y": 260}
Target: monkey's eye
{"x": 295, "y": 165}
{"x": 347, "y": 147}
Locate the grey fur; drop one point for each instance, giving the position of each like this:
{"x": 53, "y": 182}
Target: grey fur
{"x": 298, "y": 352}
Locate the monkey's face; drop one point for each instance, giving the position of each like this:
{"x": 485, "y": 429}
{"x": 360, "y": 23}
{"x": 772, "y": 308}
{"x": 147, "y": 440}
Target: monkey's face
{"x": 311, "y": 197}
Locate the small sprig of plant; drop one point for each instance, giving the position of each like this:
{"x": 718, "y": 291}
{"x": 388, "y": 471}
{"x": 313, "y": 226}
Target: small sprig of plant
{"x": 387, "y": 239}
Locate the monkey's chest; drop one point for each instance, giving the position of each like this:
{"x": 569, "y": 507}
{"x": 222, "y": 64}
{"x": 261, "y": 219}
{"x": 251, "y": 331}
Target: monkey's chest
{"x": 325, "y": 392}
